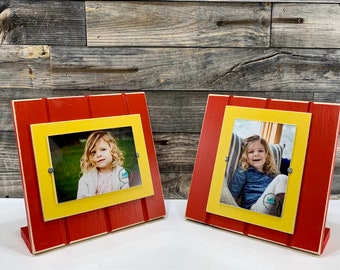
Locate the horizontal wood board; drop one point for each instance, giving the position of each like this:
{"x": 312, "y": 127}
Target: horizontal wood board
{"x": 190, "y": 24}
{"x": 42, "y": 22}
{"x": 177, "y": 52}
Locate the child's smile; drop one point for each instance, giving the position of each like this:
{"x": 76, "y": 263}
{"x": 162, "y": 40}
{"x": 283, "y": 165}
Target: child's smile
{"x": 256, "y": 155}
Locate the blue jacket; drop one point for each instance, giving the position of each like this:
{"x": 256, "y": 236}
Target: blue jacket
{"x": 249, "y": 184}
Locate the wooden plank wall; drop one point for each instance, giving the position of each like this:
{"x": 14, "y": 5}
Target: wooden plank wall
{"x": 178, "y": 52}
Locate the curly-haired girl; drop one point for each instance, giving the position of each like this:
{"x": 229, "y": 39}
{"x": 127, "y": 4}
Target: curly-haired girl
{"x": 101, "y": 165}
{"x": 257, "y": 179}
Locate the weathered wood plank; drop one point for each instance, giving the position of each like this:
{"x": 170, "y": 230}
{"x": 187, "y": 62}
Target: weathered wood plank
{"x": 176, "y": 153}
{"x": 170, "y": 111}
{"x": 178, "y": 52}
{"x": 328, "y": 97}
{"x": 10, "y": 184}
{"x": 177, "y": 185}
{"x": 218, "y": 69}
{"x": 306, "y": 25}
{"x": 42, "y": 22}
{"x": 9, "y": 155}
{"x": 336, "y": 177}
{"x": 25, "y": 67}
{"x": 10, "y": 179}
{"x": 138, "y": 23}
{"x": 183, "y": 111}
{"x": 251, "y": 1}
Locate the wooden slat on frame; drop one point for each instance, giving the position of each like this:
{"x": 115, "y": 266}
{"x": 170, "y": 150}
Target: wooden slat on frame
{"x": 37, "y": 234}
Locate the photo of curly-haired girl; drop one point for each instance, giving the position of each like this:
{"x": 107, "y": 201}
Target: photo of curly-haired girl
{"x": 101, "y": 166}
{"x": 94, "y": 162}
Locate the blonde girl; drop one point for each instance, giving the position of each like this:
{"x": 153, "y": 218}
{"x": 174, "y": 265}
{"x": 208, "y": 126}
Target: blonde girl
{"x": 257, "y": 180}
{"x": 101, "y": 166}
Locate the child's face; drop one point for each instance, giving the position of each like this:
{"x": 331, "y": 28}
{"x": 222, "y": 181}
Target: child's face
{"x": 101, "y": 156}
{"x": 256, "y": 155}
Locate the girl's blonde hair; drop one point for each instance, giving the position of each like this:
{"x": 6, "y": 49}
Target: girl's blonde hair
{"x": 269, "y": 165}
{"x": 86, "y": 162}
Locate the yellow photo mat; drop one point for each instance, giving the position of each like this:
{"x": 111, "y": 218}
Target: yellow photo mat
{"x": 286, "y": 222}
{"x": 54, "y": 210}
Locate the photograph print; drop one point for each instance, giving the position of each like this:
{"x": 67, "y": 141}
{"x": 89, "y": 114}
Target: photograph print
{"x": 257, "y": 168}
{"x": 92, "y": 163}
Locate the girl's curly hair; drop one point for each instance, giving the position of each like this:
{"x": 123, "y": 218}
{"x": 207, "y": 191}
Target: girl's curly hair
{"x": 86, "y": 161}
{"x": 269, "y": 166}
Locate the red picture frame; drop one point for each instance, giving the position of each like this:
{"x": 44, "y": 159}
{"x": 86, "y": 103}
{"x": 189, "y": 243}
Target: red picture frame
{"x": 310, "y": 233}
{"x": 41, "y": 236}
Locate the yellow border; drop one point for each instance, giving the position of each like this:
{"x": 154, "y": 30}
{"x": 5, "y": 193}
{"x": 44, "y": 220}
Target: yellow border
{"x": 287, "y": 221}
{"x": 52, "y": 209}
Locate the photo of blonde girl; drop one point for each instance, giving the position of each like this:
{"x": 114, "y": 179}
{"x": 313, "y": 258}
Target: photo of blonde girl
{"x": 257, "y": 180}
{"x": 101, "y": 166}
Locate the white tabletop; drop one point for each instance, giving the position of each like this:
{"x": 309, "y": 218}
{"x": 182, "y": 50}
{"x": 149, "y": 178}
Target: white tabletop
{"x": 168, "y": 243}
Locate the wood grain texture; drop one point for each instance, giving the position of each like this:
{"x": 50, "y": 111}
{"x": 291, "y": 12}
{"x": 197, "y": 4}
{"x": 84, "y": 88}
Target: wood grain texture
{"x": 218, "y": 69}
{"x": 176, "y": 120}
{"x": 170, "y": 111}
{"x": 25, "y": 67}
{"x": 127, "y": 23}
{"x": 251, "y": 1}
{"x": 306, "y": 25}
{"x": 178, "y": 52}
{"x": 176, "y": 155}
{"x": 42, "y": 22}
